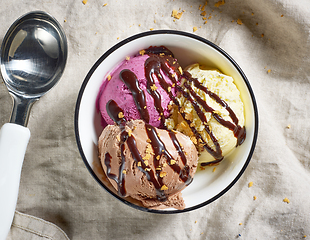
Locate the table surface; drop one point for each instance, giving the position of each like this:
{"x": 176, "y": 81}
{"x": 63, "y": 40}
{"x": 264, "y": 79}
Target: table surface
{"x": 269, "y": 39}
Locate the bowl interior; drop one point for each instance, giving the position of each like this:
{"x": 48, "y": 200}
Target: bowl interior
{"x": 207, "y": 185}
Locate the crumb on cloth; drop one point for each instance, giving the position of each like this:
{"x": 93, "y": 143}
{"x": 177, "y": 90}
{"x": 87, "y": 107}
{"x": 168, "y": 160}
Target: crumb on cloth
{"x": 219, "y": 3}
{"x": 176, "y": 14}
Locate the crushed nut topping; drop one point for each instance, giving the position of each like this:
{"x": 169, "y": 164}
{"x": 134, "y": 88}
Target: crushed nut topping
{"x": 154, "y": 87}
{"x": 189, "y": 116}
{"x": 147, "y": 156}
{"x": 149, "y": 149}
{"x": 129, "y": 132}
{"x": 180, "y": 70}
{"x": 194, "y": 140}
{"x": 120, "y": 115}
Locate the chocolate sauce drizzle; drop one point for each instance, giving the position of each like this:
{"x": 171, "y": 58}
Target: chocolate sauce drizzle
{"x": 161, "y": 60}
{"x": 131, "y": 81}
{"x": 150, "y": 74}
{"x": 160, "y": 149}
{"x": 115, "y": 112}
{"x": 112, "y": 109}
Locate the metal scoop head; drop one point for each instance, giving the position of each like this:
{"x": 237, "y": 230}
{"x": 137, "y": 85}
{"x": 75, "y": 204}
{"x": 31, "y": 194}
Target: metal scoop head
{"x": 33, "y": 58}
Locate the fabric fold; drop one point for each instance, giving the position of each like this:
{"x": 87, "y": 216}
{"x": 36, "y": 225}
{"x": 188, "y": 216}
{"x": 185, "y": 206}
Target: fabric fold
{"x": 29, "y": 227}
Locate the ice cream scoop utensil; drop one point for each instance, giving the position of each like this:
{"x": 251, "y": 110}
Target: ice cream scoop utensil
{"x": 33, "y": 58}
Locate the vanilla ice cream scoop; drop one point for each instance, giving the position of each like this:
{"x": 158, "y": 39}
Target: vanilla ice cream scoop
{"x": 210, "y": 111}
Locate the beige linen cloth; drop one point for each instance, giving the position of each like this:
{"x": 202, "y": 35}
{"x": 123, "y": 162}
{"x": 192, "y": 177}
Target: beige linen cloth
{"x": 29, "y": 227}
{"x": 269, "y": 39}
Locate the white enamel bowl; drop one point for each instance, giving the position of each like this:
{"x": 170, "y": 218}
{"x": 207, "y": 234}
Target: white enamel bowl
{"x": 207, "y": 186}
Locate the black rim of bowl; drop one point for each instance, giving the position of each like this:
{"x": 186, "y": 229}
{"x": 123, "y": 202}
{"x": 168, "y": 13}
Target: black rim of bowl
{"x": 132, "y": 38}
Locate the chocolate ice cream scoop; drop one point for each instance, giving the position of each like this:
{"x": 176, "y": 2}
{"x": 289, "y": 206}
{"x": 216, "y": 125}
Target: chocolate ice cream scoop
{"x": 146, "y": 163}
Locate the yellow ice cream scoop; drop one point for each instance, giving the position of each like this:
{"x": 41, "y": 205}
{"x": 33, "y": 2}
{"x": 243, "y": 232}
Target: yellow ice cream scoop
{"x": 210, "y": 111}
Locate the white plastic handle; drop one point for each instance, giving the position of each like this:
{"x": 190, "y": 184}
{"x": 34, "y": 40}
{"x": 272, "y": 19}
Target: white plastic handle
{"x": 13, "y": 143}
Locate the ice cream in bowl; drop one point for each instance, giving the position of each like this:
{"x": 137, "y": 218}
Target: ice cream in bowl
{"x": 166, "y": 121}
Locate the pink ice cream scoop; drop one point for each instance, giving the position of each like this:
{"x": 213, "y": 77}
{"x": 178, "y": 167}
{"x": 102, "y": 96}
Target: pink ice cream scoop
{"x": 142, "y": 86}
